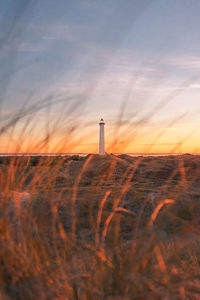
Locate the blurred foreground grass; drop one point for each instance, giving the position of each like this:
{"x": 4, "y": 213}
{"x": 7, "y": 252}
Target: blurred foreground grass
{"x": 95, "y": 227}
{"x": 100, "y": 227}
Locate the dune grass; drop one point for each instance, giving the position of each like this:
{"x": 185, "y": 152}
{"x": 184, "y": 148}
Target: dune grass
{"x": 94, "y": 227}
{"x": 97, "y": 227}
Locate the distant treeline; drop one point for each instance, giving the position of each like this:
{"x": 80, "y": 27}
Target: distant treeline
{"x": 37, "y": 160}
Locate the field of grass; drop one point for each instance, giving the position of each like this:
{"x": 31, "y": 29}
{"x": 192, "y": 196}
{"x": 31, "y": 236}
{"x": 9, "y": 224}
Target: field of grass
{"x": 111, "y": 227}
{"x": 100, "y": 227}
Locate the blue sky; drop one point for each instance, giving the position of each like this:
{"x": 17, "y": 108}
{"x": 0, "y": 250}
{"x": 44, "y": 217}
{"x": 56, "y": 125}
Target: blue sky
{"x": 109, "y": 53}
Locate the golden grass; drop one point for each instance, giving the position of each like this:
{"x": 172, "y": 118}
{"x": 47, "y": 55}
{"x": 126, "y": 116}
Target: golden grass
{"x": 74, "y": 229}
{"x": 110, "y": 227}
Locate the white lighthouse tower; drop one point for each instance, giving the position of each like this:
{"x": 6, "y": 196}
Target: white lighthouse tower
{"x": 101, "y": 137}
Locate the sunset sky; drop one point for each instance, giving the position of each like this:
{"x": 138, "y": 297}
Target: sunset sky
{"x": 136, "y": 63}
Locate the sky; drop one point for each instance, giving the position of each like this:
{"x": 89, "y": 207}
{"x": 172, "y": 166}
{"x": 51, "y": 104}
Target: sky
{"x": 67, "y": 63}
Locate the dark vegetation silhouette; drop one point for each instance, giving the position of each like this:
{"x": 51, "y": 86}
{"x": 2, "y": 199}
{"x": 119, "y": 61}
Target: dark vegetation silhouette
{"x": 94, "y": 227}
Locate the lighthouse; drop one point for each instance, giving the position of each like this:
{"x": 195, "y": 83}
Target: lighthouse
{"x": 101, "y": 137}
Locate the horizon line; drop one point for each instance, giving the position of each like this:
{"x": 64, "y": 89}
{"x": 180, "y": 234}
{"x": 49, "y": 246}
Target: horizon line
{"x": 87, "y": 153}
